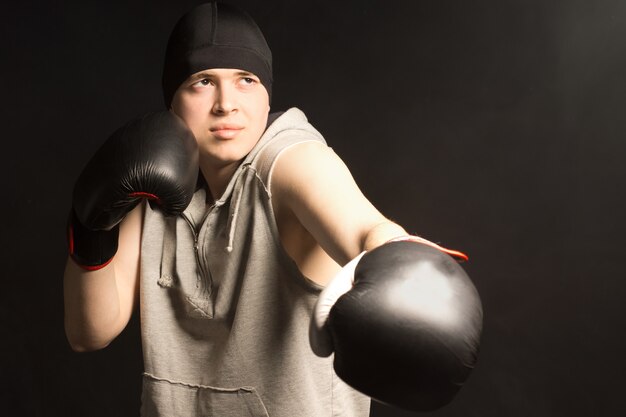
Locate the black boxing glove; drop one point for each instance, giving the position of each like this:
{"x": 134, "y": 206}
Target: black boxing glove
{"x": 404, "y": 322}
{"x": 153, "y": 157}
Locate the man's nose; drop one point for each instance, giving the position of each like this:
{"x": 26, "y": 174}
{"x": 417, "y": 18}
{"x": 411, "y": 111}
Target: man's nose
{"x": 225, "y": 100}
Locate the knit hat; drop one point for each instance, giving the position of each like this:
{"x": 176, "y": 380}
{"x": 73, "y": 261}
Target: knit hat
{"x": 215, "y": 35}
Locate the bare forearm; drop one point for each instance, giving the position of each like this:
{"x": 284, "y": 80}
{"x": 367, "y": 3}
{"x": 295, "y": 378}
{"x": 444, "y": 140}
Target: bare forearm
{"x": 92, "y": 307}
{"x": 99, "y": 304}
{"x": 382, "y": 233}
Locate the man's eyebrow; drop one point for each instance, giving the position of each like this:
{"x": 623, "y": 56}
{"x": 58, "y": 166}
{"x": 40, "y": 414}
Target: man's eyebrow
{"x": 199, "y": 75}
{"x": 208, "y": 73}
{"x": 246, "y": 73}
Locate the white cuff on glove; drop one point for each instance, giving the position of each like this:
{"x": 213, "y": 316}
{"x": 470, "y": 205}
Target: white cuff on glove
{"x": 319, "y": 336}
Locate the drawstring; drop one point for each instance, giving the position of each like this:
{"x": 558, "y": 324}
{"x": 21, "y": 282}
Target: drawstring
{"x": 168, "y": 254}
{"x": 167, "y": 273}
{"x": 234, "y": 208}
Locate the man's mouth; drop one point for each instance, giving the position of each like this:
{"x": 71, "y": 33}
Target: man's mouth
{"x": 225, "y": 131}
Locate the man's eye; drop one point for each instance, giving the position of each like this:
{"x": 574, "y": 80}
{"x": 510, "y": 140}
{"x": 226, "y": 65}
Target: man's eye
{"x": 202, "y": 83}
{"x": 248, "y": 80}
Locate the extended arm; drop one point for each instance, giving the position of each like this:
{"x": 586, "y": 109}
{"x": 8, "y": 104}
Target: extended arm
{"x": 314, "y": 183}
{"x": 402, "y": 317}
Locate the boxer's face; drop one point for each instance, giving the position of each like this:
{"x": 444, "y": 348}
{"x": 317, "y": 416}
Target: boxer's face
{"x": 227, "y": 111}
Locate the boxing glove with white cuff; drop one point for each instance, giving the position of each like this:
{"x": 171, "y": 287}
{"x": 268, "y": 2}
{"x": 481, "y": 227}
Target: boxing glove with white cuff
{"x": 404, "y": 322}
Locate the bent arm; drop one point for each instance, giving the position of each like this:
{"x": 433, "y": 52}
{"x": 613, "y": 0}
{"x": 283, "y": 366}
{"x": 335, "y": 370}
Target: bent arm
{"x": 99, "y": 304}
{"x": 313, "y": 182}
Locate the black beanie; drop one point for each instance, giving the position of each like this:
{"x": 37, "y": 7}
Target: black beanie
{"x": 215, "y": 35}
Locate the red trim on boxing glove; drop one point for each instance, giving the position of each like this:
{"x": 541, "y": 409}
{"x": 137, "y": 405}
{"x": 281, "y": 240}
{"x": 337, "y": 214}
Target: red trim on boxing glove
{"x": 410, "y": 238}
{"x": 149, "y": 196}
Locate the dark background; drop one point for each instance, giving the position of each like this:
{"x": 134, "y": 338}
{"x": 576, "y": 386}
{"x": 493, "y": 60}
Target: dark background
{"x": 495, "y": 127}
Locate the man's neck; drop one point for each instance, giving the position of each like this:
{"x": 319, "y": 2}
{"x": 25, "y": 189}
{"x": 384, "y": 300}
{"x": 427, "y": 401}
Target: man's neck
{"x": 218, "y": 177}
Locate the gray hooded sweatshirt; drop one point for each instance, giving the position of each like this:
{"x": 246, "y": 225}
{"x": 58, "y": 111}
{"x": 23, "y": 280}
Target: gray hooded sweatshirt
{"x": 225, "y": 311}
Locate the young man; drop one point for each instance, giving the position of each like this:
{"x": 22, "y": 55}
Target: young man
{"x": 227, "y": 271}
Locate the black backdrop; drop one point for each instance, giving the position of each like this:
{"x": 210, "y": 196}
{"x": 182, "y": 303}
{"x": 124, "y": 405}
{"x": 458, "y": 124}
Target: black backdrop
{"x": 491, "y": 126}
